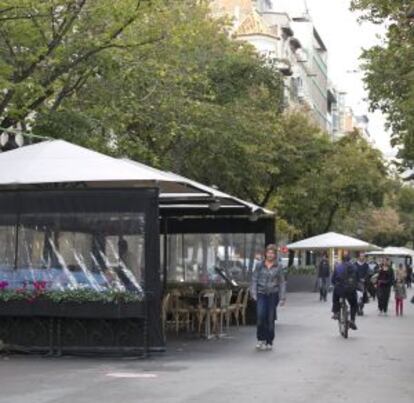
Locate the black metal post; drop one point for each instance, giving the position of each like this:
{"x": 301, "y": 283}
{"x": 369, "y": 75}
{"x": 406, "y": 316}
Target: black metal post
{"x": 16, "y": 241}
{"x": 270, "y": 231}
{"x": 165, "y": 257}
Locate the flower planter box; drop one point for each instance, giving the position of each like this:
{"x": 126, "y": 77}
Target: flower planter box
{"x": 43, "y": 325}
{"x": 82, "y": 310}
{"x": 28, "y": 309}
{"x": 99, "y": 310}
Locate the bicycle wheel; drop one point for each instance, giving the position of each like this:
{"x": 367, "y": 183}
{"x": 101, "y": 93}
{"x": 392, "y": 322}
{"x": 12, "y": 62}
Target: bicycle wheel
{"x": 343, "y": 320}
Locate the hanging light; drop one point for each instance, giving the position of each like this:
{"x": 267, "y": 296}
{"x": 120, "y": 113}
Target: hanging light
{"x": 4, "y": 138}
{"x": 254, "y": 217}
{"x": 214, "y": 205}
{"x": 19, "y": 139}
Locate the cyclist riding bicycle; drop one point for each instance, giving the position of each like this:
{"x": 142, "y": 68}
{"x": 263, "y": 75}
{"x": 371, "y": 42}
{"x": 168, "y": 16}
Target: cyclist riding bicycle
{"x": 345, "y": 281}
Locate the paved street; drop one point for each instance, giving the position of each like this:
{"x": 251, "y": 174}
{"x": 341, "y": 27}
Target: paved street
{"x": 311, "y": 362}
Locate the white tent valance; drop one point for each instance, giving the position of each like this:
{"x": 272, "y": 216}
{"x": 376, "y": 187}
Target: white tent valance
{"x": 215, "y": 193}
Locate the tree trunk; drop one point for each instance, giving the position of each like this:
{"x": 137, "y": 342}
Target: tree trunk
{"x": 291, "y": 258}
{"x": 292, "y": 253}
{"x": 331, "y": 216}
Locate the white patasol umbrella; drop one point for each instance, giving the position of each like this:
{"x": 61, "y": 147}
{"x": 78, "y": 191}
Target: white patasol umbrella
{"x": 332, "y": 241}
{"x": 393, "y": 251}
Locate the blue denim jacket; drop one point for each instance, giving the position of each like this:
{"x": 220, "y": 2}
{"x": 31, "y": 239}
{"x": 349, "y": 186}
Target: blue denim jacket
{"x": 268, "y": 281}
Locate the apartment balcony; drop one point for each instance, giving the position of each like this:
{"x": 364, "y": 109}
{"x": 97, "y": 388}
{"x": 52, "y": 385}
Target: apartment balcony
{"x": 287, "y": 31}
{"x": 305, "y": 100}
{"x": 301, "y": 56}
{"x": 295, "y": 44}
{"x": 284, "y": 66}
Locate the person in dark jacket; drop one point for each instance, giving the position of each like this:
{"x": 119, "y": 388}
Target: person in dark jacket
{"x": 385, "y": 281}
{"x": 267, "y": 289}
{"x": 345, "y": 280}
{"x": 371, "y": 283}
{"x": 363, "y": 271}
{"x": 409, "y": 275}
{"x": 324, "y": 272}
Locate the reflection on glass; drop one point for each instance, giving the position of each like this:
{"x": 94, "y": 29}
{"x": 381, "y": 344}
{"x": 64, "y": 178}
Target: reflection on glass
{"x": 74, "y": 251}
{"x": 193, "y": 257}
{"x": 7, "y": 246}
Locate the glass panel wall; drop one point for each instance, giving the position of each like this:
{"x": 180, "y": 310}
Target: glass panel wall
{"x": 7, "y": 254}
{"x": 193, "y": 257}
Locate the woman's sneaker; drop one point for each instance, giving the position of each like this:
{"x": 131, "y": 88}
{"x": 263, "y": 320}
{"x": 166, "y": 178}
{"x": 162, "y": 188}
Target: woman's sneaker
{"x": 260, "y": 345}
{"x": 269, "y": 347}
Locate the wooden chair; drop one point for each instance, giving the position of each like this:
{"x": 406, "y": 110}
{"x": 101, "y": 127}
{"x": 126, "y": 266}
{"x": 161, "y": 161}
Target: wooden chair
{"x": 234, "y": 309}
{"x": 243, "y": 308}
{"x": 202, "y": 311}
{"x": 180, "y": 313}
{"x": 225, "y": 302}
{"x": 220, "y": 310}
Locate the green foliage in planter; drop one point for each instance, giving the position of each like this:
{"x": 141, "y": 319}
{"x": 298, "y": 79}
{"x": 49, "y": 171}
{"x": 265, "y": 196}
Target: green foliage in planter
{"x": 16, "y": 295}
{"x": 196, "y": 285}
{"x": 73, "y": 296}
{"x": 305, "y": 270}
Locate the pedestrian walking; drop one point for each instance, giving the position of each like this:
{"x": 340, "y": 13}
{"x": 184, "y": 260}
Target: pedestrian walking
{"x": 363, "y": 272}
{"x": 385, "y": 280}
{"x": 409, "y": 277}
{"x": 399, "y": 289}
{"x": 324, "y": 272}
{"x": 267, "y": 289}
{"x": 372, "y": 278}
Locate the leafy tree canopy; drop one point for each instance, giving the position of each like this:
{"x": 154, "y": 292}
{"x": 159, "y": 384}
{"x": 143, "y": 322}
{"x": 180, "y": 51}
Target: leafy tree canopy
{"x": 389, "y": 70}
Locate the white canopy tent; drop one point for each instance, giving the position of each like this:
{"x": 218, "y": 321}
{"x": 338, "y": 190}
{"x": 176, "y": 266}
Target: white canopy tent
{"x": 57, "y": 161}
{"x": 332, "y": 241}
{"x": 393, "y": 251}
{"x": 396, "y": 254}
{"x": 223, "y": 199}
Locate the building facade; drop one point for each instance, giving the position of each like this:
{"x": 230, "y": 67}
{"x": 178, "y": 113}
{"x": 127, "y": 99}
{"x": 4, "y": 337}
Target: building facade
{"x": 294, "y": 45}
{"x": 283, "y": 32}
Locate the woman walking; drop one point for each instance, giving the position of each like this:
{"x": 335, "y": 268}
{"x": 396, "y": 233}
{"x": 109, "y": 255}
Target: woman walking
{"x": 385, "y": 280}
{"x": 324, "y": 272}
{"x": 400, "y": 290}
{"x": 409, "y": 275}
{"x": 267, "y": 289}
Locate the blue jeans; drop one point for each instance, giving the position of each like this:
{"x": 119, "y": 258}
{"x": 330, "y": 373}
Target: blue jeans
{"x": 323, "y": 287}
{"x": 266, "y": 315}
{"x": 351, "y": 296}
